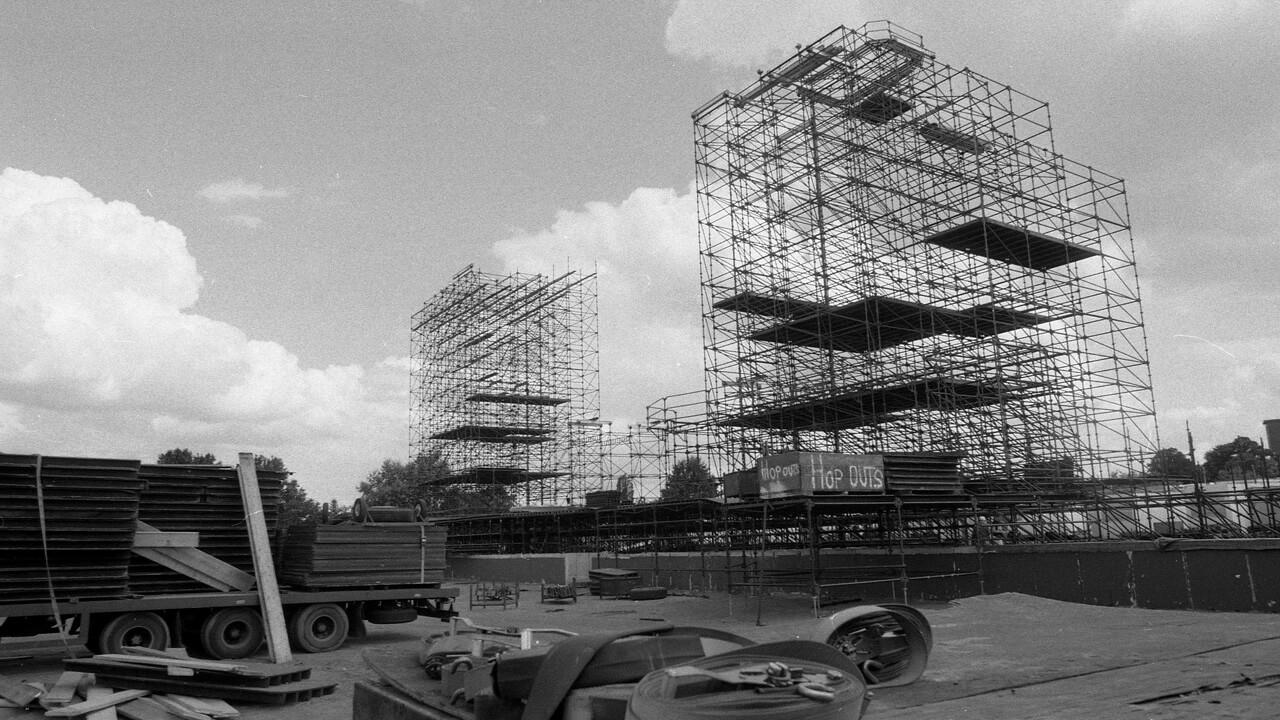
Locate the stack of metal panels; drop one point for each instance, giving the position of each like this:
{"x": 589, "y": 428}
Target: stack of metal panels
{"x": 89, "y": 506}
{"x": 915, "y": 473}
{"x": 204, "y": 499}
{"x": 350, "y": 555}
{"x": 612, "y": 581}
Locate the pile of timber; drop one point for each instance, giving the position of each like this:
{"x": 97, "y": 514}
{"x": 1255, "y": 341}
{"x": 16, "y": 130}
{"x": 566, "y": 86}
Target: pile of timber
{"x": 263, "y": 683}
{"x": 204, "y": 499}
{"x": 88, "y": 507}
{"x": 78, "y": 694}
{"x": 319, "y": 556}
{"x": 612, "y": 581}
{"x": 161, "y": 685}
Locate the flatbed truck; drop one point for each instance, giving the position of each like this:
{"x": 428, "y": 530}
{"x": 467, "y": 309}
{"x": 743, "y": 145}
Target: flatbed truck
{"x": 221, "y": 625}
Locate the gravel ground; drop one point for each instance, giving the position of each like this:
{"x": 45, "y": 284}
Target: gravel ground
{"x": 992, "y": 654}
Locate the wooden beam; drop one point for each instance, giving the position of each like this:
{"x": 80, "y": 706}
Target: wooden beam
{"x": 195, "y": 564}
{"x": 263, "y": 565}
{"x": 160, "y": 539}
{"x": 97, "y": 693}
{"x": 192, "y": 663}
{"x": 199, "y": 565}
{"x": 89, "y": 706}
{"x": 176, "y": 708}
{"x": 63, "y": 691}
{"x": 213, "y": 707}
{"x": 144, "y": 709}
{"x": 20, "y": 694}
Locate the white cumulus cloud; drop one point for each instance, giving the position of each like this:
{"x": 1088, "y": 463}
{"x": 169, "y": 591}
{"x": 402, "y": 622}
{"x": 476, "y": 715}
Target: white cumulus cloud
{"x": 240, "y": 189}
{"x": 645, "y": 251}
{"x": 102, "y": 353}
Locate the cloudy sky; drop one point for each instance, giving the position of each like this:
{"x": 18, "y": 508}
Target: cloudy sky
{"x": 217, "y": 218}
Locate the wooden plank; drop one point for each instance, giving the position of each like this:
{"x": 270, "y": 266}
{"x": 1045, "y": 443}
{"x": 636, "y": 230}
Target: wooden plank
{"x": 88, "y": 706}
{"x": 98, "y": 693}
{"x": 213, "y": 707}
{"x": 199, "y": 566}
{"x": 269, "y": 694}
{"x": 20, "y": 694}
{"x": 263, "y": 565}
{"x": 171, "y": 653}
{"x": 192, "y": 663}
{"x": 260, "y": 674}
{"x": 176, "y": 708}
{"x": 63, "y": 691}
{"x": 144, "y": 709}
{"x": 162, "y": 539}
{"x": 196, "y": 564}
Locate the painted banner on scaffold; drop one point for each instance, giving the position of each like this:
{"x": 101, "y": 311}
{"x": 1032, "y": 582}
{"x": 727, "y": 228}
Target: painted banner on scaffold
{"x": 813, "y": 473}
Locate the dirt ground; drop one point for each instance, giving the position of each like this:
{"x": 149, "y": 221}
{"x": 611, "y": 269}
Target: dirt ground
{"x": 1000, "y": 656}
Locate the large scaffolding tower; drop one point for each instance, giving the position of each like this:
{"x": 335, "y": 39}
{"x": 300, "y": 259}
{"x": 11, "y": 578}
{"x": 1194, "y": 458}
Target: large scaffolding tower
{"x": 896, "y": 259}
{"x": 506, "y": 384}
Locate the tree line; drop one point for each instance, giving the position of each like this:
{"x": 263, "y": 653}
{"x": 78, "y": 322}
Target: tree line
{"x": 408, "y": 484}
{"x": 1239, "y": 460}
{"x": 418, "y": 481}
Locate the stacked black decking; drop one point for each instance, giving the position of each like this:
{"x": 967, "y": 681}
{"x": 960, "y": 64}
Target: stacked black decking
{"x": 90, "y": 506}
{"x": 612, "y": 581}
{"x": 204, "y": 499}
{"x": 923, "y": 473}
{"x": 351, "y": 555}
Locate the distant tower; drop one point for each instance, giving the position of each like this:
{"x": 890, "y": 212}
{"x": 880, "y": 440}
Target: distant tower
{"x": 895, "y": 258}
{"x": 506, "y": 384}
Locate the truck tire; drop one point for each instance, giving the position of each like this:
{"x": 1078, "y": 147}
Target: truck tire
{"x": 318, "y": 628}
{"x": 232, "y": 633}
{"x": 137, "y": 629}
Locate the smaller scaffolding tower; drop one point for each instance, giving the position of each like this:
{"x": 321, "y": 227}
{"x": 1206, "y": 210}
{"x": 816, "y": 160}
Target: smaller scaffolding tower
{"x": 506, "y": 384}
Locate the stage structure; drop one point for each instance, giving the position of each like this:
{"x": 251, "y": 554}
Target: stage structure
{"x": 675, "y": 430}
{"x": 895, "y": 258}
{"x": 506, "y": 384}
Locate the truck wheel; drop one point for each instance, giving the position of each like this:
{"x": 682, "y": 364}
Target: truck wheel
{"x": 318, "y": 628}
{"x": 231, "y": 633}
{"x": 140, "y": 629}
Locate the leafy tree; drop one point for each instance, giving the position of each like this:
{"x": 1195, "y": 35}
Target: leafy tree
{"x": 404, "y": 484}
{"x": 1240, "y": 459}
{"x": 400, "y": 484}
{"x": 332, "y": 512}
{"x": 295, "y": 507}
{"x": 689, "y": 479}
{"x": 1171, "y": 463}
{"x": 273, "y": 463}
{"x": 626, "y": 489}
{"x": 467, "y": 499}
{"x": 183, "y": 456}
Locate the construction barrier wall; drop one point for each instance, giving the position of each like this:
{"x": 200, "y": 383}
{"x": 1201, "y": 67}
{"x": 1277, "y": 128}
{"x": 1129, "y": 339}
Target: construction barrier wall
{"x": 553, "y": 569}
{"x": 1222, "y": 575}
{"x": 1216, "y": 575}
